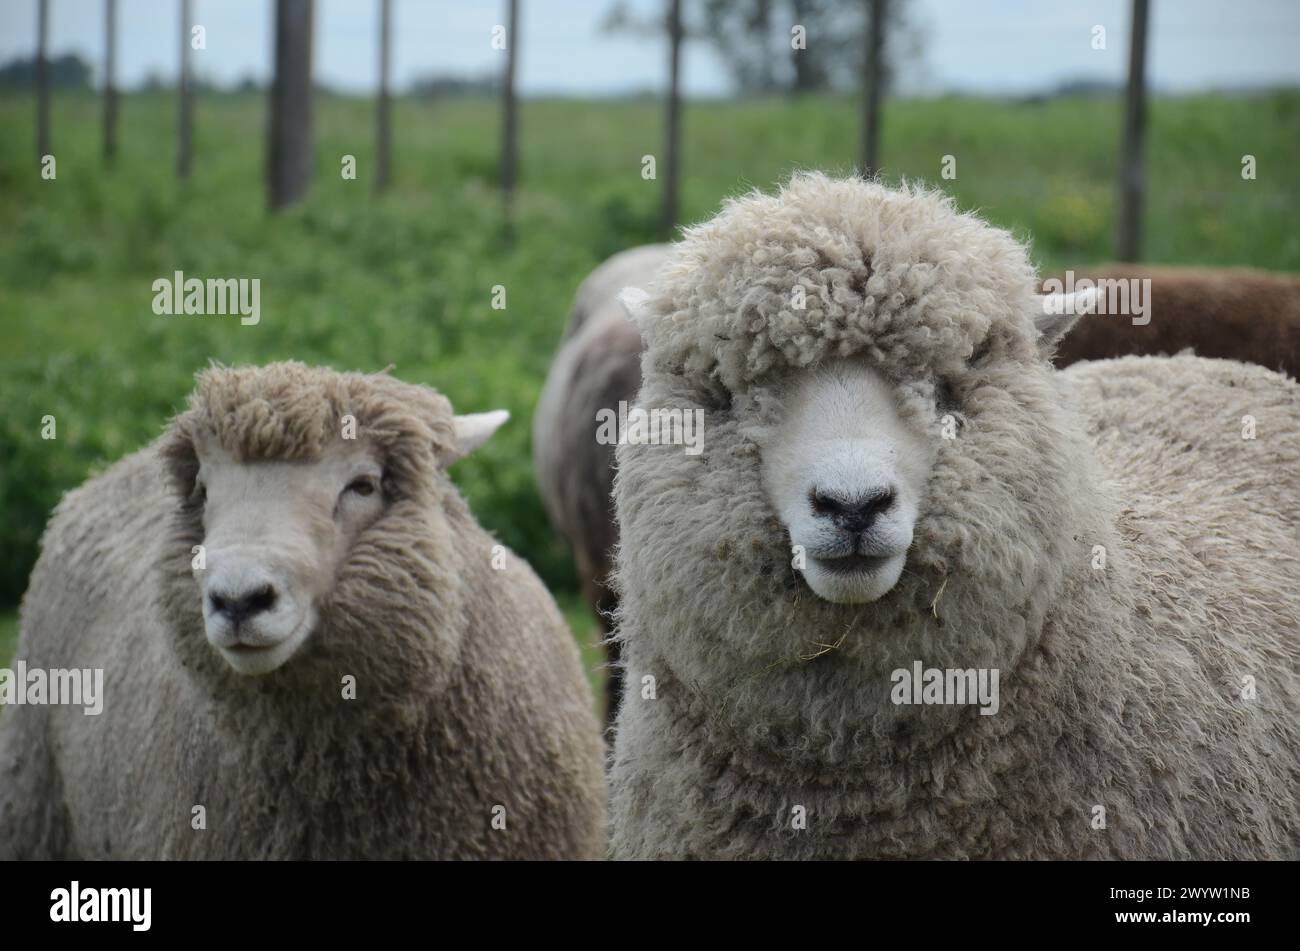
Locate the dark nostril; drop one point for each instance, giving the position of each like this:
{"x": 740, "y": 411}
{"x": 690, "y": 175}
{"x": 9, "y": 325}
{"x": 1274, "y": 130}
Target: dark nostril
{"x": 824, "y": 503}
{"x": 241, "y": 607}
{"x": 852, "y": 515}
{"x": 263, "y": 599}
{"x": 877, "y": 503}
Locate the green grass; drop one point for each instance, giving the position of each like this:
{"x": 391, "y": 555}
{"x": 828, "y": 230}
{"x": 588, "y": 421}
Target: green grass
{"x": 8, "y": 636}
{"x": 583, "y": 624}
{"x": 358, "y": 282}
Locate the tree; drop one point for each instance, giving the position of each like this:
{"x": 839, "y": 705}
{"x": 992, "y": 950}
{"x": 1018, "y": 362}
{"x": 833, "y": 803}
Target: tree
{"x": 748, "y": 33}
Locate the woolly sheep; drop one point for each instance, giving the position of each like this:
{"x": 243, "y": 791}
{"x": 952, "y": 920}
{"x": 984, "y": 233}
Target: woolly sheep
{"x": 345, "y": 674}
{"x": 1103, "y": 540}
{"x": 596, "y": 367}
{"x": 1237, "y": 314}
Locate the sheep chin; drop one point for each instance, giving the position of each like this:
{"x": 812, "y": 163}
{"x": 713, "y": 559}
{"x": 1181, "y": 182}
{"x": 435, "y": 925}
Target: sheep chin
{"x": 258, "y": 661}
{"x": 858, "y": 586}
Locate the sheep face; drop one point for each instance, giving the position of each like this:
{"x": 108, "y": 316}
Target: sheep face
{"x": 845, "y": 473}
{"x": 312, "y": 512}
{"x": 275, "y": 534}
{"x": 873, "y": 370}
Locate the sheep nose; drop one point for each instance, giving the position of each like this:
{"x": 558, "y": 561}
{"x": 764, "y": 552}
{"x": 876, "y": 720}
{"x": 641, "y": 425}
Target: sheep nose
{"x": 239, "y": 607}
{"x": 852, "y": 514}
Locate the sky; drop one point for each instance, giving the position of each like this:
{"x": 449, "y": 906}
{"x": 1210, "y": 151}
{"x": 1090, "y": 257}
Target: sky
{"x": 987, "y": 46}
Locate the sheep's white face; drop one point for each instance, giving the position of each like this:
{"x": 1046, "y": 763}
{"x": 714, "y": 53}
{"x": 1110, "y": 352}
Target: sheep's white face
{"x": 275, "y": 534}
{"x": 845, "y": 474}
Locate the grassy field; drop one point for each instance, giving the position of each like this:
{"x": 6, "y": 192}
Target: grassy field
{"x": 358, "y": 282}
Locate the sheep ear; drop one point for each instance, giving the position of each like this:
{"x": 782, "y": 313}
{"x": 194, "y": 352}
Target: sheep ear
{"x": 472, "y": 431}
{"x": 636, "y": 302}
{"x": 1057, "y": 313}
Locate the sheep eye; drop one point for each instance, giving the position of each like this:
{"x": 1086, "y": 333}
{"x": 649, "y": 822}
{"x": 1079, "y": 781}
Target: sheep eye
{"x": 362, "y": 487}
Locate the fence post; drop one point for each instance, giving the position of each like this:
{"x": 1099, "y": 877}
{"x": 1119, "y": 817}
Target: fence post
{"x": 668, "y": 215}
{"x": 110, "y": 81}
{"x": 873, "y": 77}
{"x": 289, "y": 153}
{"x": 1131, "y": 174}
{"x": 42, "y": 80}
{"x": 383, "y": 130}
{"x": 185, "y": 115}
{"x": 509, "y": 131}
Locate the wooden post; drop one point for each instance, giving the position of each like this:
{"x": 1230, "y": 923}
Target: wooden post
{"x": 1131, "y": 174}
{"x": 185, "y": 113}
{"x": 802, "y": 65}
{"x": 110, "y": 81}
{"x": 874, "y": 75}
{"x": 289, "y": 152}
{"x": 383, "y": 130}
{"x": 668, "y": 216}
{"x": 42, "y": 80}
{"x": 509, "y": 131}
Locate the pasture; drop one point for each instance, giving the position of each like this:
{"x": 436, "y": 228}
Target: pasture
{"x": 407, "y": 279}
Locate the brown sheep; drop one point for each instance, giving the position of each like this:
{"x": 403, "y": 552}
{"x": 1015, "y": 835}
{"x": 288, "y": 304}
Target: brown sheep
{"x": 1237, "y": 314}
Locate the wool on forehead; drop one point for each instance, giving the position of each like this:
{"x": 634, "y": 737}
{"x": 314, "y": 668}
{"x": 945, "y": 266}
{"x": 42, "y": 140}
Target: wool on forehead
{"x": 898, "y": 275}
{"x": 293, "y": 411}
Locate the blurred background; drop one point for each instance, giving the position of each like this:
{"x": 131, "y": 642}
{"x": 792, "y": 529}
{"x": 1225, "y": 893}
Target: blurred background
{"x": 385, "y": 166}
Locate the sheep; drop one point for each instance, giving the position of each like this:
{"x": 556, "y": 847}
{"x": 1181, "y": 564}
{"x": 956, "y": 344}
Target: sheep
{"x": 1236, "y": 314}
{"x": 310, "y": 648}
{"x": 924, "y": 596}
{"x": 597, "y": 367}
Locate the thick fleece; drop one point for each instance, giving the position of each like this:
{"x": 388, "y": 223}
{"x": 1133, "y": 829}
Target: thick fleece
{"x": 469, "y": 692}
{"x": 597, "y": 366}
{"x": 1148, "y": 708}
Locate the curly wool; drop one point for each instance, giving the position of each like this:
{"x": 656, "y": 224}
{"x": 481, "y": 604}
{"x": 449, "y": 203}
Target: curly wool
{"x": 752, "y": 702}
{"x": 470, "y": 694}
